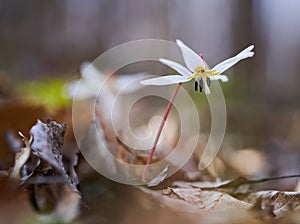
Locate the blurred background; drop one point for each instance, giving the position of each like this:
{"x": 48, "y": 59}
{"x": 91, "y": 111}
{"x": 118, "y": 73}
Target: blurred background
{"x": 43, "y": 44}
{"x": 50, "y": 39}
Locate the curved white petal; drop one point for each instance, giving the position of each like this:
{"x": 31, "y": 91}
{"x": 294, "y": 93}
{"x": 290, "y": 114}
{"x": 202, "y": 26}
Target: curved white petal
{"x": 165, "y": 80}
{"x": 88, "y": 85}
{"x": 248, "y": 49}
{"x": 91, "y": 74}
{"x": 191, "y": 58}
{"x": 223, "y": 78}
{"x": 90, "y": 69}
{"x": 84, "y": 66}
{"x": 224, "y": 65}
{"x": 177, "y": 67}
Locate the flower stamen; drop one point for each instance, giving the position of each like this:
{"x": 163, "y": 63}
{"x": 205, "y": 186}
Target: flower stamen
{"x": 196, "y": 86}
{"x": 208, "y": 81}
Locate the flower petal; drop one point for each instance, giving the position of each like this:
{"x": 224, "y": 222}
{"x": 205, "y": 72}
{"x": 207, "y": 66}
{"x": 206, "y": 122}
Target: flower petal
{"x": 224, "y": 65}
{"x": 88, "y": 86}
{"x": 190, "y": 57}
{"x": 165, "y": 80}
{"x": 177, "y": 67}
{"x": 223, "y": 78}
{"x": 91, "y": 73}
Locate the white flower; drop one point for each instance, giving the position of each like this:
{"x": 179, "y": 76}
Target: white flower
{"x": 196, "y": 68}
{"x": 97, "y": 85}
{"x": 93, "y": 79}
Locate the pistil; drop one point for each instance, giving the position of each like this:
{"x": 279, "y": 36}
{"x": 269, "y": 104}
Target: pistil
{"x": 201, "y": 84}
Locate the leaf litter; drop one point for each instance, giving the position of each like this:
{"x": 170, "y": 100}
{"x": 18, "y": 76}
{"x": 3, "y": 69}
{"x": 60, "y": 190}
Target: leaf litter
{"x": 40, "y": 170}
{"x": 51, "y": 183}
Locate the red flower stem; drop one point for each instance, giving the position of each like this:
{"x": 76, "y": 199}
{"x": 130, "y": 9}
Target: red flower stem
{"x": 161, "y": 126}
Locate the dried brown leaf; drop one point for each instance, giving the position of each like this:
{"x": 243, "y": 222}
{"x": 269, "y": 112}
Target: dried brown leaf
{"x": 277, "y": 203}
{"x": 159, "y": 178}
{"x": 209, "y": 200}
{"x": 47, "y": 145}
{"x": 206, "y": 207}
{"x": 231, "y": 186}
{"x": 21, "y": 158}
{"x": 213, "y": 196}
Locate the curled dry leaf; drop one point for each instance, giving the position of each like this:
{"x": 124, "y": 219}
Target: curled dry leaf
{"x": 40, "y": 170}
{"x": 47, "y": 145}
{"x": 21, "y": 158}
{"x": 70, "y": 162}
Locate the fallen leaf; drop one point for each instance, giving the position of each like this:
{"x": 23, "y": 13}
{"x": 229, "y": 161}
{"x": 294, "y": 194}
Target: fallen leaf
{"x": 277, "y": 203}
{"x": 21, "y": 158}
{"x": 205, "y": 206}
{"x": 40, "y": 170}
{"x": 47, "y": 145}
{"x": 221, "y": 196}
{"x": 231, "y": 186}
{"x": 160, "y": 177}
{"x": 208, "y": 200}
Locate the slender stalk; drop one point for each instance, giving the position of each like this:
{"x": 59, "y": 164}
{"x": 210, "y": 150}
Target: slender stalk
{"x": 161, "y": 126}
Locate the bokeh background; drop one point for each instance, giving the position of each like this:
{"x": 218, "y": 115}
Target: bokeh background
{"x": 50, "y": 39}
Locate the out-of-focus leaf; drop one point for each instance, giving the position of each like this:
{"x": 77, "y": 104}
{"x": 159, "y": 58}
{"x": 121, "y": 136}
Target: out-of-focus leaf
{"x": 40, "y": 170}
{"x": 6, "y": 86}
{"x": 246, "y": 162}
{"x": 297, "y": 188}
{"x": 55, "y": 202}
{"x": 49, "y": 93}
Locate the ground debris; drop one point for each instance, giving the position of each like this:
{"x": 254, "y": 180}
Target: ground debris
{"x": 199, "y": 197}
{"x": 47, "y": 145}
{"x": 206, "y": 206}
{"x": 276, "y": 203}
{"x": 40, "y": 170}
